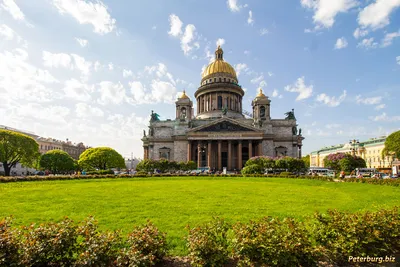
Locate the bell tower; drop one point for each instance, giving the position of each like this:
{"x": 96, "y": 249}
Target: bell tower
{"x": 261, "y": 107}
{"x": 184, "y": 108}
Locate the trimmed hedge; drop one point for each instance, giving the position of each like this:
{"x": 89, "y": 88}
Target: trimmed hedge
{"x": 325, "y": 237}
{"x": 8, "y": 179}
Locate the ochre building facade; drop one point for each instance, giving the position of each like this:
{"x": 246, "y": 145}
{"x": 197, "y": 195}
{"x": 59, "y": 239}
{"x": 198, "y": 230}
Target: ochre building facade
{"x": 219, "y": 134}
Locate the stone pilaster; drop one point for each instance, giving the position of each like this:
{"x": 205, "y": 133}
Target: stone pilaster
{"x": 209, "y": 154}
{"x": 229, "y": 155}
{"x": 250, "y": 149}
{"x": 240, "y": 155}
{"x": 219, "y": 155}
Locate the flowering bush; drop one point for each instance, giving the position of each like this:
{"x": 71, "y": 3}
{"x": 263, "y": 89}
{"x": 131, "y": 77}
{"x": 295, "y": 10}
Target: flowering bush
{"x": 274, "y": 242}
{"x": 9, "y": 244}
{"x": 146, "y": 246}
{"x": 208, "y": 244}
{"x": 343, "y": 162}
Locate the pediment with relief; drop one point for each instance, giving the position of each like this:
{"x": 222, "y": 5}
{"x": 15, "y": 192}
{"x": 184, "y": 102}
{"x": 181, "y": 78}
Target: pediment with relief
{"x": 224, "y": 126}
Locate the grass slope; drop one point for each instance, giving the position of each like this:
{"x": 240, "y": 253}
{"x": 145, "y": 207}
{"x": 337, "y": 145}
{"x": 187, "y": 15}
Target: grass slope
{"x": 172, "y": 203}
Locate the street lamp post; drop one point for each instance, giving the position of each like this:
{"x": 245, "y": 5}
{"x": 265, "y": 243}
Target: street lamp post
{"x": 354, "y": 146}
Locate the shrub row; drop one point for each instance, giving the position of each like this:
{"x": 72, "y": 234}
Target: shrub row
{"x": 331, "y": 237}
{"x": 7, "y": 179}
{"x": 70, "y": 244}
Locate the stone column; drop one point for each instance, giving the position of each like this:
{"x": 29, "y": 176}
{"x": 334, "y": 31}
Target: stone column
{"x": 229, "y": 155}
{"x": 219, "y": 155}
{"x": 209, "y": 154}
{"x": 189, "y": 151}
{"x": 198, "y": 154}
{"x": 259, "y": 148}
{"x": 240, "y": 155}
{"x": 250, "y": 149}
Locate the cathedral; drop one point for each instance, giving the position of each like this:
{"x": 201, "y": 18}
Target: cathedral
{"x": 220, "y": 134}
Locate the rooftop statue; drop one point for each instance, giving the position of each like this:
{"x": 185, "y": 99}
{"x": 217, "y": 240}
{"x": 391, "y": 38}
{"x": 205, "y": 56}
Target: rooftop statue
{"x": 224, "y": 110}
{"x": 154, "y": 117}
{"x": 290, "y": 115}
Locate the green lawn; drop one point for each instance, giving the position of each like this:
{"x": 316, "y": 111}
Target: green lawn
{"x": 172, "y": 203}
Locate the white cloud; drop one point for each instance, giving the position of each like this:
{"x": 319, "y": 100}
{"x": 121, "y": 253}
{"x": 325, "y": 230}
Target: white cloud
{"x": 341, "y": 43}
{"x": 275, "y": 93}
{"x": 240, "y": 67}
{"x": 127, "y": 73}
{"x": 388, "y": 40}
{"x": 73, "y": 61}
{"x": 154, "y": 27}
{"x": 379, "y": 107}
{"x": 384, "y": 117}
{"x": 250, "y": 19}
{"x": 331, "y": 101}
{"x": 11, "y": 7}
{"x": 111, "y": 93}
{"x": 110, "y": 66}
{"x": 325, "y": 11}
{"x": 176, "y": 25}
{"x": 263, "y": 31}
{"x": 300, "y": 87}
{"x": 84, "y": 110}
{"x": 54, "y": 114}
{"x": 77, "y": 90}
{"x": 82, "y": 42}
{"x": 246, "y": 52}
{"x": 87, "y": 12}
{"x": 187, "y": 38}
{"x": 20, "y": 80}
{"x": 138, "y": 91}
{"x": 220, "y": 42}
{"x": 367, "y": 43}
{"x": 257, "y": 79}
{"x": 398, "y": 60}
{"x": 376, "y": 15}
{"x": 333, "y": 125}
{"x": 263, "y": 84}
{"x": 163, "y": 92}
{"x": 360, "y": 33}
{"x": 368, "y": 100}
{"x": 56, "y": 60}
{"x": 6, "y": 32}
{"x": 233, "y": 5}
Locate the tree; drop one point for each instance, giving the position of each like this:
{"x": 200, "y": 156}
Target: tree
{"x": 57, "y": 161}
{"x": 306, "y": 160}
{"x": 392, "y": 145}
{"x": 343, "y": 162}
{"x": 16, "y": 147}
{"x": 101, "y": 158}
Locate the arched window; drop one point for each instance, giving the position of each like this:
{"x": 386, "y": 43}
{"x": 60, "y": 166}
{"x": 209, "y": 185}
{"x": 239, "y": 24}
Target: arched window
{"x": 219, "y": 102}
{"x": 262, "y": 112}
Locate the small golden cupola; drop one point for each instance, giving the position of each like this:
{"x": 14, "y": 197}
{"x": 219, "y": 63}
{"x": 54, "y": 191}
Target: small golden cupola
{"x": 261, "y": 106}
{"x": 184, "y": 107}
{"x": 183, "y": 95}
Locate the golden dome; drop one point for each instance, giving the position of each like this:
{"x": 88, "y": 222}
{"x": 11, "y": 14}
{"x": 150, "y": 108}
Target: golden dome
{"x": 219, "y": 66}
{"x": 261, "y": 94}
{"x": 183, "y": 96}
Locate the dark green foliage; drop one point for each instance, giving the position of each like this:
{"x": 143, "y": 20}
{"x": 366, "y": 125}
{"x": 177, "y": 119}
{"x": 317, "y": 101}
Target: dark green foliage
{"x": 146, "y": 246}
{"x": 252, "y": 169}
{"x": 306, "y": 160}
{"x": 9, "y": 244}
{"x": 362, "y": 234}
{"x": 57, "y": 161}
{"x": 163, "y": 165}
{"x": 208, "y": 244}
{"x": 392, "y": 145}
{"x": 274, "y": 242}
{"x": 16, "y": 147}
{"x": 101, "y": 158}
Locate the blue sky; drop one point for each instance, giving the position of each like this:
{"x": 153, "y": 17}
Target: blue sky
{"x": 92, "y": 71}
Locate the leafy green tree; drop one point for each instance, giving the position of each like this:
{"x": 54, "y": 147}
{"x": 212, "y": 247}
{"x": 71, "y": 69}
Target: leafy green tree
{"x": 191, "y": 165}
{"x": 16, "y": 147}
{"x": 101, "y": 158}
{"x": 343, "y": 162}
{"x": 57, "y": 161}
{"x": 392, "y": 145}
{"x": 307, "y": 161}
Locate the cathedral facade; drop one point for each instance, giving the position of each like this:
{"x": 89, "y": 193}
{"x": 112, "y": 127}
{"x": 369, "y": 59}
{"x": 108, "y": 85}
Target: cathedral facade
{"x": 218, "y": 134}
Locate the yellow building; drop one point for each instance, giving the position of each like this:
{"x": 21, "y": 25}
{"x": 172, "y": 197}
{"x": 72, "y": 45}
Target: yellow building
{"x": 370, "y": 150}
